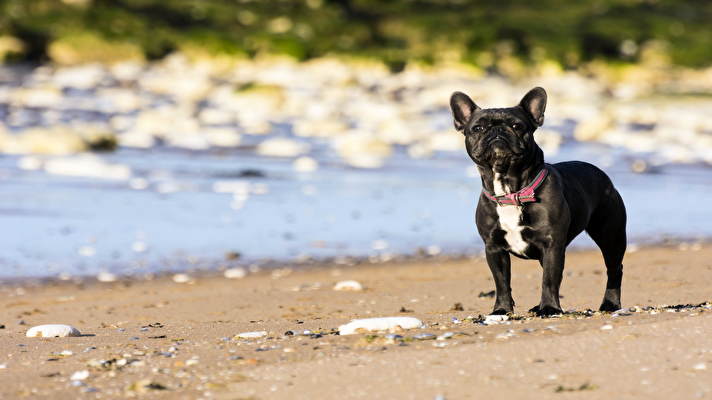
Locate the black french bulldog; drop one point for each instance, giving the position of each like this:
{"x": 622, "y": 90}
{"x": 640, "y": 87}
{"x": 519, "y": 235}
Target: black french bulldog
{"x": 533, "y": 210}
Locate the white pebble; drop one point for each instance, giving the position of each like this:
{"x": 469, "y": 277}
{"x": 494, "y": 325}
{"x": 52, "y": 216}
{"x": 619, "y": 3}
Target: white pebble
{"x": 87, "y": 251}
{"x": 235, "y": 273}
{"x": 607, "y": 327}
{"x": 138, "y": 183}
{"x": 350, "y": 285}
{"x": 66, "y": 353}
{"x": 495, "y": 319}
{"x": 87, "y": 166}
{"x": 305, "y": 164}
{"x": 699, "y": 367}
{"x": 52, "y": 330}
{"x": 105, "y": 276}
{"x": 181, "y": 278}
{"x": 30, "y": 163}
{"x": 251, "y": 335}
{"x": 281, "y": 147}
{"x": 139, "y": 246}
{"x": 80, "y": 375}
{"x": 379, "y": 324}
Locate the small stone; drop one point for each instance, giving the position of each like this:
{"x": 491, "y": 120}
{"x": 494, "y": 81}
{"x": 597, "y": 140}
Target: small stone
{"x": 393, "y": 338}
{"x": 379, "y": 324}
{"x": 52, "y": 330}
{"x": 106, "y": 277}
{"x": 305, "y": 164}
{"x": 424, "y": 336}
{"x": 699, "y": 367}
{"x": 251, "y": 335}
{"x": 145, "y": 385}
{"x": 181, "y": 278}
{"x": 235, "y": 273}
{"x": 446, "y": 335}
{"x": 349, "y": 285}
{"x": 607, "y": 327}
{"x": 79, "y": 375}
{"x": 495, "y": 319}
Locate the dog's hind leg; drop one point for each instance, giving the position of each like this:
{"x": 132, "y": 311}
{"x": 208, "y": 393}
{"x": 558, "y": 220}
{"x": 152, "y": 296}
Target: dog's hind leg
{"x": 607, "y": 229}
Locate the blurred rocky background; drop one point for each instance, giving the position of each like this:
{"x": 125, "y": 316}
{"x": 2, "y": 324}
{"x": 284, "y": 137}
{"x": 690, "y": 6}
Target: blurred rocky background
{"x": 133, "y": 131}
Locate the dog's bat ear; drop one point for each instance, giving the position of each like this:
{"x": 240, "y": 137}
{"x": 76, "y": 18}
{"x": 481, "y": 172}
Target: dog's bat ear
{"x": 534, "y": 103}
{"x": 462, "y": 108}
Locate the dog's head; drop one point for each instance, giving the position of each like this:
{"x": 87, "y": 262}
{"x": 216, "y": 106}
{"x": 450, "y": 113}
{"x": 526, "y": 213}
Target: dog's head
{"x": 499, "y": 137}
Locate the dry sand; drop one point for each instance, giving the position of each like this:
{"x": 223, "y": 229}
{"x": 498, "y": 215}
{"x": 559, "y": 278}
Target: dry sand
{"x": 645, "y": 355}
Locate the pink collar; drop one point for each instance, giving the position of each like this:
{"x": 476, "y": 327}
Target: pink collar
{"x": 525, "y": 195}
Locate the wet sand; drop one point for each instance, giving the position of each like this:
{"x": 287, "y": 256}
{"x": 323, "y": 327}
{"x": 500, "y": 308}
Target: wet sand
{"x": 164, "y": 339}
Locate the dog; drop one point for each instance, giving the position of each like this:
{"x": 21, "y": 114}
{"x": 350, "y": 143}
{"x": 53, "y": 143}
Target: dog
{"x": 533, "y": 210}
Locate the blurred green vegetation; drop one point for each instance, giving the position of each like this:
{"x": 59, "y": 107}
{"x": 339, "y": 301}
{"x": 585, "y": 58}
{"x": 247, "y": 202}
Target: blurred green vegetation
{"x": 479, "y": 32}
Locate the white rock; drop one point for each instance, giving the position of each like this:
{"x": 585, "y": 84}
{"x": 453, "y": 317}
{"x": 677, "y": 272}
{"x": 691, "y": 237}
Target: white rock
{"x": 87, "y": 251}
{"x": 181, "y": 278}
{"x": 495, "y": 319}
{"x": 139, "y": 246}
{"x": 222, "y": 137}
{"x": 281, "y": 147}
{"x": 29, "y": 163}
{"x": 52, "y": 330}
{"x": 251, "y": 335}
{"x": 362, "y": 150}
{"x": 699, "y": 367}
{"x": 137, "y": 139}
{"x": 607, "y": 327}
{"x": 305, "y": 164}
{"x": 105, "y": 276}
{"x": 379, "y": 324}
{"x": 87, "y": 166}
{"x": 138, "y": 183}
{"x": 188, "y": 140}
{"x": 235, "y": 273}
{"x": 80, "y": 375}
{"x": 349, "y": 285}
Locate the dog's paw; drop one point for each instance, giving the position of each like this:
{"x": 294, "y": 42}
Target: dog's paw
{"x": 545, "y": 311}
{"x": 609, "y": 306}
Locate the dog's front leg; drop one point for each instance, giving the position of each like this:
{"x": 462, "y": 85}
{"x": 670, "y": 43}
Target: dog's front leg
{"x": 500, "y": 265}
{"x": 552, "y": 263}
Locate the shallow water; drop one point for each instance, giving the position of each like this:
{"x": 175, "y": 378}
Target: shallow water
{"x": 187, "y": 209}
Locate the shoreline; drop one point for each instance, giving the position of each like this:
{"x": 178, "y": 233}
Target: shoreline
{"x": 262, "y": 266}
{"x": 179, "y": 340}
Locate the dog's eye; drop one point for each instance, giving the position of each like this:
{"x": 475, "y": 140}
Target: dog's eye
{"x": 478, "y": 128}
{"x": 516, "y": 126}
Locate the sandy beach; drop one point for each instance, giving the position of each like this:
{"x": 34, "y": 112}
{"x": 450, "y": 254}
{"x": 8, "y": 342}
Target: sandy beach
{"x": 159, "y": 338}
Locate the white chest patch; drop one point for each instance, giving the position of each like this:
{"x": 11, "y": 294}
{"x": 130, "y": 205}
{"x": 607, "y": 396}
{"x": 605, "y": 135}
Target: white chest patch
{"x": 510, "y": 219}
